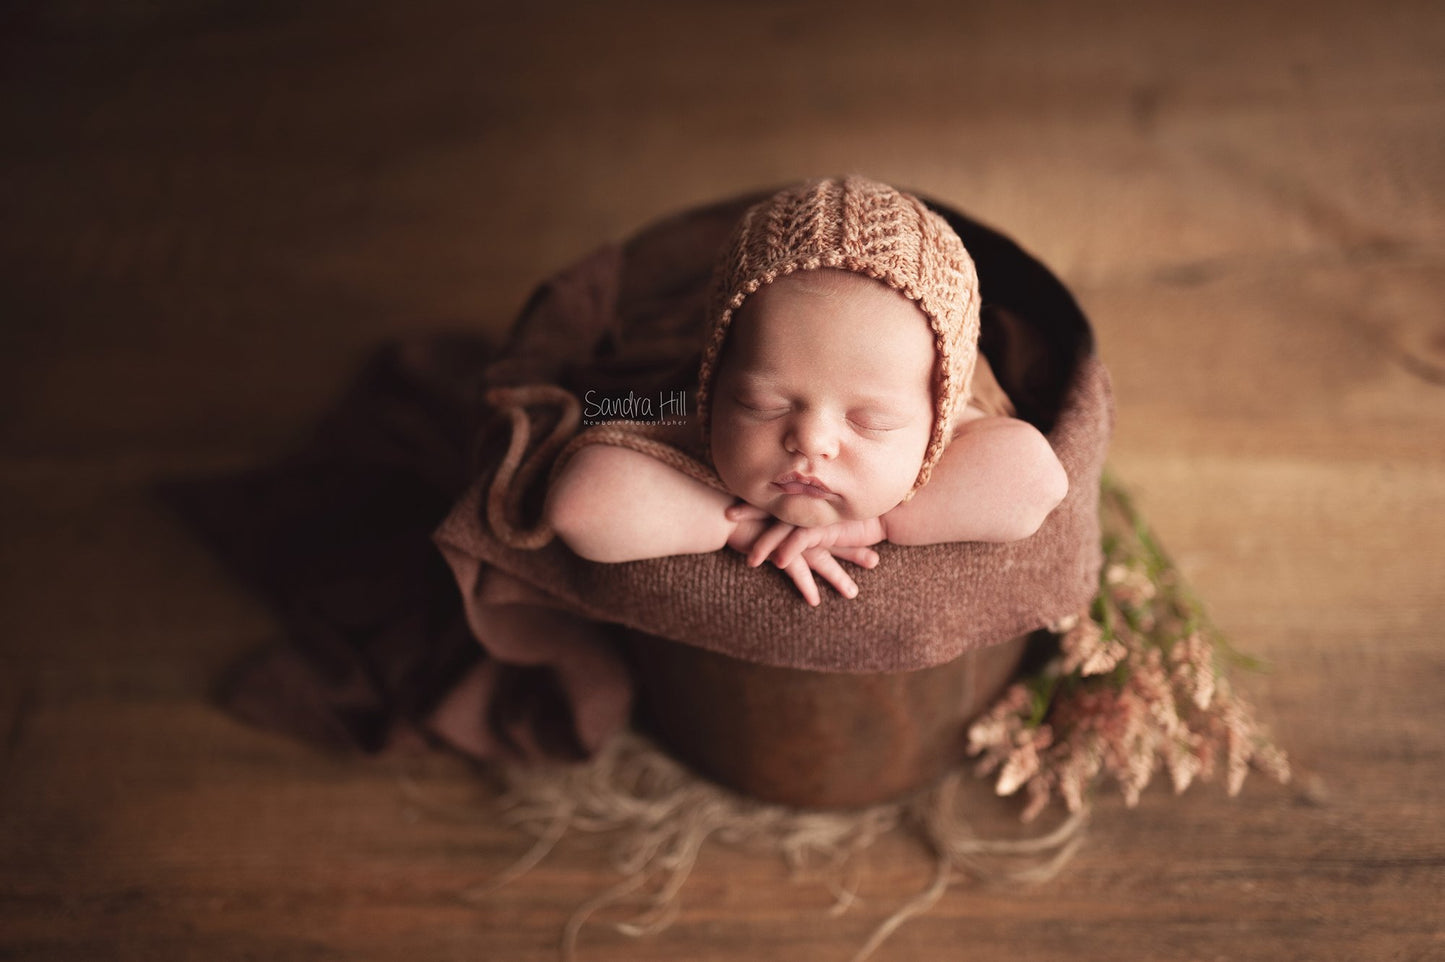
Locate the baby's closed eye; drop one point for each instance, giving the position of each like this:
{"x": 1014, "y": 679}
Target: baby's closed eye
{"x": 761, "y": 405}
{"x": 869, "y": 420}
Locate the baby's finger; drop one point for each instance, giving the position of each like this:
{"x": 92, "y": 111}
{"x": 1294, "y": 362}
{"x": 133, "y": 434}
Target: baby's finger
{"x": 767, "y": 541}
{"x": 862, "y": 557}
{"x": 832, "y": 572}
{"x": 742, "y": 511}
{"x": 803, "y": 577}
{"x": 792, "y": 547}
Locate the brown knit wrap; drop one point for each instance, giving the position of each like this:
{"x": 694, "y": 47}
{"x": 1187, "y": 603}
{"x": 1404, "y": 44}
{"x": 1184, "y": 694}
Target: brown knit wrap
{"x": 922, "y": 606}
{"x": 858, "y": 225}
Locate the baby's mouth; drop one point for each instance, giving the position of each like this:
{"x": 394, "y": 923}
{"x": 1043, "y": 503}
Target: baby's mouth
{"x": 795, "y": 483}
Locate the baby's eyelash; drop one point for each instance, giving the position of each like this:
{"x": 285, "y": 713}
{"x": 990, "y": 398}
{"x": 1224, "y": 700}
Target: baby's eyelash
{"x": 763, "y": 409}
{"x": 874, "y": 424}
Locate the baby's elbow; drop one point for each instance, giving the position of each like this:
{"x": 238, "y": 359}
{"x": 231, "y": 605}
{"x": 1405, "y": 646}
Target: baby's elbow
{"x": 565, "y": 513}
{"x": 1042, "y": 486}
{"x": 575, "y": 511}
{"x": 1047, "y": 488}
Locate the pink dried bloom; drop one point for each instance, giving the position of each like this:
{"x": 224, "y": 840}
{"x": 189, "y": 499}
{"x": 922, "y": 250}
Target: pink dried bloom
{"x": 1119, "y": 730}
{"x": 1182, "y": 761}
{"x": 987, "y": 734}
{"x": 1193, "y": 672}
{"x": 1079, "y": 768}
{"x": 1088, "y": 652}
{"x": 1272, "y": 761}
{"x": 1020, "y": 766}
{"x": 1153, "y": 688}
{"x": 1136, "y": 697}
{"x": 1141, "y": 727}
{"x": 1022, "y": 763}
{"x": 1238, "y": 761}
{"x": 1140, "y": 761}
{"x": 1207, "y": 748}
{"x": 997, "y": 728}
{"x": 1130, "y": 586}
{"x": 1245, "y": 742}
{"x": 1239, "y": 738}
{"x": 1017, "y": 699}
{"x": 1066, "y": 624}
{"x": 1039, "y": 796}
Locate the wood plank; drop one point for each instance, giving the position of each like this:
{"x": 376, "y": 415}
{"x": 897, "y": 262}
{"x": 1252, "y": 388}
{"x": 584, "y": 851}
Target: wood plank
{"x": 212, "y": 211}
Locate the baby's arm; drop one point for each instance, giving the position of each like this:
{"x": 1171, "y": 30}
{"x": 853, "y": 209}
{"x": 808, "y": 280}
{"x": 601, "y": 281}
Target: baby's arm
{"x": 997, "y": 481}
{"x": 614, "y": 504}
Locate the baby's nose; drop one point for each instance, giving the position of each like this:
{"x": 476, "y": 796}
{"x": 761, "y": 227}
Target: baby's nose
{"x": 813, "y": 436}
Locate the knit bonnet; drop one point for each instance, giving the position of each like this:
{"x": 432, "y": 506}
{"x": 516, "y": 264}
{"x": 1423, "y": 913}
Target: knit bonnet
{"x": 859, "y": 225}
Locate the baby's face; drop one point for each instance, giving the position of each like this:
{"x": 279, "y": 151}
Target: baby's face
{"x": 823, "y": 403}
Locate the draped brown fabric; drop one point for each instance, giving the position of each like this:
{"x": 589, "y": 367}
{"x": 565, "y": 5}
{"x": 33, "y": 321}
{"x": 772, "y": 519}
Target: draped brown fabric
{"x": 921, "y": 606}
{"x": 382, "y": 641}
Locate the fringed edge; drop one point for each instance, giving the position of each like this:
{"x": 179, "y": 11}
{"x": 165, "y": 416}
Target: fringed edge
{"x": 659, "y": 817}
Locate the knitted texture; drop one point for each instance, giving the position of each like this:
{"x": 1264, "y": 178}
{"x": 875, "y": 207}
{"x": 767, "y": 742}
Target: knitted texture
{"x": 517, "y": 469}
{"x": 922, "y": 606}
{"x": 868, "y": 228}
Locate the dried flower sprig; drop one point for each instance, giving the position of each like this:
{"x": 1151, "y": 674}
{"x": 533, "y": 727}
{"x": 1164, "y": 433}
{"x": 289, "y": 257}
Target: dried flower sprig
{"x": 1138, "y": 685}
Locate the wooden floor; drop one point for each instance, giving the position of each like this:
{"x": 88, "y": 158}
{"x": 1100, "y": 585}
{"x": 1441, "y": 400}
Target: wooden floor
{"x": 210, "y": 209}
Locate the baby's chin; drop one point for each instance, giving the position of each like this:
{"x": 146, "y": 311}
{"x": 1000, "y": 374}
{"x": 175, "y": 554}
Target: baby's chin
{"x": 806, "y": 512}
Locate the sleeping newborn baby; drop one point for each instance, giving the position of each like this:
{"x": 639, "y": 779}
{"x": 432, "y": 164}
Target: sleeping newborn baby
{"x": 836, "y": 405}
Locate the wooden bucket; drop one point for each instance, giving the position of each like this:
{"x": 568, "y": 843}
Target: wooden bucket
{"x": 815, "y": 739}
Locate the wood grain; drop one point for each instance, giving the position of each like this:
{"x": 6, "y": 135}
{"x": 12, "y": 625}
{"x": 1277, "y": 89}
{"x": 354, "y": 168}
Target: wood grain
{"x": 211, "y": 210}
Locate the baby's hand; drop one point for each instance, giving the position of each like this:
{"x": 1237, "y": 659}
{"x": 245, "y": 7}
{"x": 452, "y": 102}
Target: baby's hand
{"x": 759, "y": 536}
{"x": 784, "y": 543}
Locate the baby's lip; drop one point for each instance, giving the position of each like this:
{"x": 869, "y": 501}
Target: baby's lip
{"x": 795, "y": 483}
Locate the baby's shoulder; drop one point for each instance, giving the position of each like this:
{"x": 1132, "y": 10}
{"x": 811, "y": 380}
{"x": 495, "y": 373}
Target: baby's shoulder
{"x": 971, "y": 413}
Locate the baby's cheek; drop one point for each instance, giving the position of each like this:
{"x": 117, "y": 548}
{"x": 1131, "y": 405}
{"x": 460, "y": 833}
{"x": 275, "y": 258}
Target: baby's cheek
{"x": 735, "y": 464}
{"x": 748, "y": 454}
{"x": 889, "y": 468}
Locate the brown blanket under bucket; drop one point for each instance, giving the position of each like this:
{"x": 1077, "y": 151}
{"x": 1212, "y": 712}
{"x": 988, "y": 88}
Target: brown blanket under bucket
{"x": 382, "y": 644}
